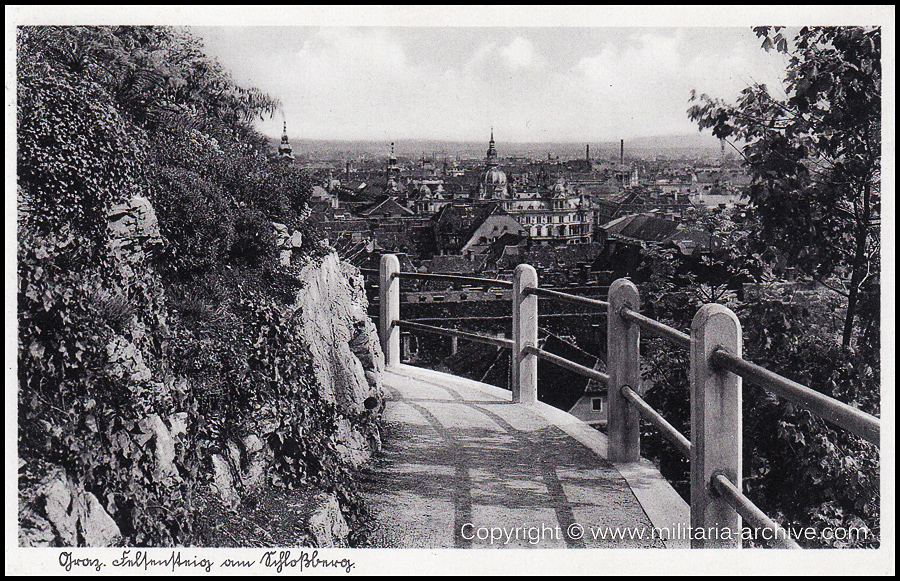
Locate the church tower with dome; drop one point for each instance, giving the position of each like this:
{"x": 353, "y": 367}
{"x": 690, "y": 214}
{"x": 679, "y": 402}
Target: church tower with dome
{"x": 493, "y": 182}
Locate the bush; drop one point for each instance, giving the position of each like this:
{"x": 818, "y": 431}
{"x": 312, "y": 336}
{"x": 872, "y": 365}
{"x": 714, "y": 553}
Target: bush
{"x": 248, "y": 363}
{"x": 797, "y": 468}
{"x": 254, "y": 239}
{"x": 195, "y": 219}
{"x": 75, "y": 158}
{"x": 74, "y": 409}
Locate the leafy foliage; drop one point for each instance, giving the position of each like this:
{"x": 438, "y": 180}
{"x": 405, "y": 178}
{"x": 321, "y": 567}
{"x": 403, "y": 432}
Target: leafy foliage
{"x": 196, "y": 327}
{"x": 75, "y": 408}
{"x": 802, "y": 469}
{"x": 70, "y": 142}
{"x": 815, "y": 156}
{"x": 815, "y": 162}
{"x": 196, "y": 219}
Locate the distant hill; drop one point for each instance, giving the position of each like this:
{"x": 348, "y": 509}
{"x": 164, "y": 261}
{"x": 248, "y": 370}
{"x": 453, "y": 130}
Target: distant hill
{"x": 643, "y": 147}
{"x": 698, "y": 142}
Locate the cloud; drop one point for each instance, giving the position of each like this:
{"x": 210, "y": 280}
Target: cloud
{"x": 641, "y": 87}
{"x": 347, "y": 81}
{"x": 334, "y": 58}
{"x": 518, "y": 54}
{"x": 391, "y": 83}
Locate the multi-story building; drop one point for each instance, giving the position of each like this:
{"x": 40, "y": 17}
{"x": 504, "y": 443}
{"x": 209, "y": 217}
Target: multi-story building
{"x": 559, "y": 216}
{"x": 556, "y": 215}
{"x": 471, "y": 228}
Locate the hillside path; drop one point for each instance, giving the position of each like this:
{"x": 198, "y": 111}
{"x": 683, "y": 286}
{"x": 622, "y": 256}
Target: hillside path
{"x": 460, "y": 459}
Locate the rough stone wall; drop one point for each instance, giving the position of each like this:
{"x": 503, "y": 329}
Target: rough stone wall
{"x": 133, "y": 228}
{"x": 286, "y": 242}
{"x": 65, "y": 515}
{"x": 330, "y": 314}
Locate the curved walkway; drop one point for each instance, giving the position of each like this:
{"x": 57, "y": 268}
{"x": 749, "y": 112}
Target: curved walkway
{"x": 460, "y": 462}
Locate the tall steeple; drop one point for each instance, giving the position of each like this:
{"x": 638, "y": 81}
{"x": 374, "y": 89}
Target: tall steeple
{"x": 493, "y": 181}
{"x": 285, "y": 151}
{"x": 393, "y": 172}
{"x": 491, "y": 159}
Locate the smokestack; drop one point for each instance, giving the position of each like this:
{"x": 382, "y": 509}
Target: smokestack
{"x": 587, "y": 152}
{"x": 622, "y": 152}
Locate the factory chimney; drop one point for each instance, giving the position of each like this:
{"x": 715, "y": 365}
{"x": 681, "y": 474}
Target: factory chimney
{"x": 622, "y": 152}
{"x": 587, "y": 152}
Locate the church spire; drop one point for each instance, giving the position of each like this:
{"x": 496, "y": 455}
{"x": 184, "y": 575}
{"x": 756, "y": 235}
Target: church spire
{"x": 493, "y": 181}
{"x": 393, "y": 172}
{"x": 285, "y": 151}
{"x": 491, "y": 159}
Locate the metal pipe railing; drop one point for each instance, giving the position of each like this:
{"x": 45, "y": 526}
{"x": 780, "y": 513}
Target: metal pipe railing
{"x": 716, "y": 373}
{"x": 567, "y": 364}
{"x": 474, "y": 337}
{"x": 454, "y": 278}
{"x": 501, "y": 317}
{"x": 655, "y": 327}
{"x": 744, "y": 507}
{"x": 677, "y": 439}
{"x": 855, "y": 421}
{"x": 567, "y": 298}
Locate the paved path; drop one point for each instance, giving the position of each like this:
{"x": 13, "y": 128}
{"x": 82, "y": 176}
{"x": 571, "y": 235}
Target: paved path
{"x": 459, "y": 459}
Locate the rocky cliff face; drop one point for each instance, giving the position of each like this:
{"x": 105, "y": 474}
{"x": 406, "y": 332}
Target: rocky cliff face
{"x": 67, "y": 516}
{"x": 330, "y": 312}
{"x": 329, "y": 315}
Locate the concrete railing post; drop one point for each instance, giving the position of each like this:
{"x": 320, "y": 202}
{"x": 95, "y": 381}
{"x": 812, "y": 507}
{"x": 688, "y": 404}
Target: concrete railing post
{"x": 390, "y": 309}
{"x": 623, "y": 342}
{"x": 525, "y": 333}
{"x": 715, "y": 428}
{"x": 405, "y": 349}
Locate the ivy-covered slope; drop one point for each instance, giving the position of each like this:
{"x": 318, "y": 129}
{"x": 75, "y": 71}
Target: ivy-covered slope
{"x": 162, "y": 355}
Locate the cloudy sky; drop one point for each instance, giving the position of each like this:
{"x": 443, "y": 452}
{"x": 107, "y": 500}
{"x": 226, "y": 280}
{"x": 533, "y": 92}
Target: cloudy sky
{"x": 531, "y": 84}
{"x": 534, "y": 73}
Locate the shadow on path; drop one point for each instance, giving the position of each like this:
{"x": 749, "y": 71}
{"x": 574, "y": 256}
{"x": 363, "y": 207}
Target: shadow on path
{"x": 454, "y": 457}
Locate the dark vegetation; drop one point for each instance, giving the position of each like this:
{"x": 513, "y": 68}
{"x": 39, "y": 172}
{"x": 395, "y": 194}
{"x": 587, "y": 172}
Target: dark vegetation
{"x": 105, "y": 113}
{"x": 800, "y": 470}
{"x": 815, "y": 161}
